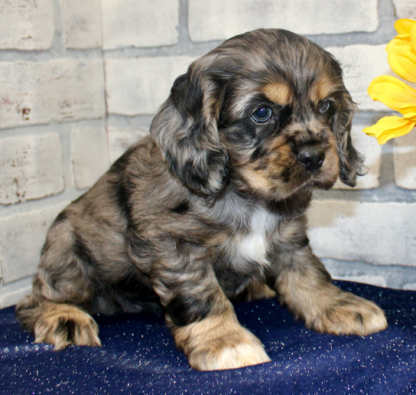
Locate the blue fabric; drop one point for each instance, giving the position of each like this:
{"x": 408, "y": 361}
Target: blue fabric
{"x": 138, "y": 356}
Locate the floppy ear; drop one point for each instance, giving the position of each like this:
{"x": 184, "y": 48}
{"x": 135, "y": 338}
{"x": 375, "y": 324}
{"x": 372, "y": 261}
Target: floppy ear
{"x": 186, "y": 131}
{"x": 350, "y": 160}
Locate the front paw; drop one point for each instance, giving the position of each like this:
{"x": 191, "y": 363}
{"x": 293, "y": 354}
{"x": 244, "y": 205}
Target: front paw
{"x": 220, "y": 355}
{"x": 349, "y": 314}
{"x": 218, "y": 343}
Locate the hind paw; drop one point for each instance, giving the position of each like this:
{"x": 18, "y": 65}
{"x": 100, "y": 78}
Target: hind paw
{"x": 63, "y": 325}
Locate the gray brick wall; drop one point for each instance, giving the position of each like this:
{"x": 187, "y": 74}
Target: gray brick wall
{"x": 80, "y": 81}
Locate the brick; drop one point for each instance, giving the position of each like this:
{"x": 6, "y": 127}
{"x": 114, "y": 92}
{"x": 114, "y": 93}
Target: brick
{"x": 119, "y": 139}
{"x": 410, "y": 287}
{"x": 405, "y": 8}
{"x": 26, "y": 24}
{"x": 405, "y": 160}
{"x": 140, "y": 86}
{"x": 22, "y": 237}
{"x": 381, "y": 233}
{"x": 219, "y": 19}
{"x": 13, "y": 297}
{"x": 82, "y": 23}
{"x": 361, "y": 64}
{"x": 31, "y": 167}
{"x": 145, "y": 23}
{"x": 89, "y": 156}
{"x": 369, "y": 147}
{"x": 58, "y": 90}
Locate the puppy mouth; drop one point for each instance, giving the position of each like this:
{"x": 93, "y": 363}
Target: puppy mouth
{"x": 324, "y": 184}
{"x": 320, "y": 178}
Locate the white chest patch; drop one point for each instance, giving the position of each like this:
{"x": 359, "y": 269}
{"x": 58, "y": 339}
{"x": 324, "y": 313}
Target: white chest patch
{"x": 253, "y": 246}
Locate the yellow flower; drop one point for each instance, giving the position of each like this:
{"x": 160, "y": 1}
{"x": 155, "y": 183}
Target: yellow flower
{"x": 393, "y": 92}
{"x": 403, "y": 63}
{"x": 402, "y": 50}
{"x": 407, "y": 34}
{"x": 398, "y": 96}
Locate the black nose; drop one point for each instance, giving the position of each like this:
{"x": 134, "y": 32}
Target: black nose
{"x": 311, "y": 157}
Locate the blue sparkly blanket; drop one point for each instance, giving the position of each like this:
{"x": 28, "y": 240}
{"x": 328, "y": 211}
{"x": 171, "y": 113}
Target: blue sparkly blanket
{"x": 138, "y": 356}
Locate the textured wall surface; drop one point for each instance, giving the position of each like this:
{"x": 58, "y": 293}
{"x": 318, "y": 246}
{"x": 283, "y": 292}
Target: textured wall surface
{"x": 80, "y": 81}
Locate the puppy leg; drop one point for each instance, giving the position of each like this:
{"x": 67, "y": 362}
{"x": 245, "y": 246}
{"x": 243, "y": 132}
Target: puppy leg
{"x": 201, "y": 318}
{"x": 258, "y": 290}
{"x": 305, "y": 287}
{"x": 53, "y": 311}
{"x": 219, "y": 342}
{"x": 58, "y": 324}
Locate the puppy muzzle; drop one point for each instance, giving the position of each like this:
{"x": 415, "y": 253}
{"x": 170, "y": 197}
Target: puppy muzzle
{"x": 311, "y": 158}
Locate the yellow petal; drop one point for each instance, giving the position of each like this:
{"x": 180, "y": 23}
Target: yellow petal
{"x": 411, "y": 116}
{"x": 403, "y": 26}
{"x": 403, "y": 36}
{"x": 409, "y": 112}
{"x": 398, "y": 43}
{"x": 389, "y": 127}
{"x": 403, "y": 63}
{"x": 413, "y": 37}
{"x": 392, "y": 92}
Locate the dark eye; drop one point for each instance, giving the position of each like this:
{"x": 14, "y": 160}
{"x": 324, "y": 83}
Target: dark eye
{"x": 262, "y": 114}
{"x": 324, "y": 106}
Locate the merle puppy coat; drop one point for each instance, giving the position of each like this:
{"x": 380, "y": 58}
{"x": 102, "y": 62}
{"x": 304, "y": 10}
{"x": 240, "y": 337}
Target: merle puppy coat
{"x": 211, "y": 208}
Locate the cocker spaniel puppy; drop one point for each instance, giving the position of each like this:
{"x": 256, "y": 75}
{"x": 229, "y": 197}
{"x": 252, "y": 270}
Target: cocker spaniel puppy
{"x": 211, "y": 208}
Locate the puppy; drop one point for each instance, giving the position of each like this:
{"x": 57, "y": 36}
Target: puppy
{"x": 211, "y": 208}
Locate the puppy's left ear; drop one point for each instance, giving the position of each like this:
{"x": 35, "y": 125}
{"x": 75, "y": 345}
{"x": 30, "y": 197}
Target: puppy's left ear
{"x": 350, "y": 160}
{"x": 186, "y": 130}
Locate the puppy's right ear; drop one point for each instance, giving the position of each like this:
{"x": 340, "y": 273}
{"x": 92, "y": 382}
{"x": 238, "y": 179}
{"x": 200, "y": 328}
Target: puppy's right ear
{"x": 186, "y": 131}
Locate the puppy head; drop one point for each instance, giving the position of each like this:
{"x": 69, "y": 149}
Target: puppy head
{"x": 266, "y": 110}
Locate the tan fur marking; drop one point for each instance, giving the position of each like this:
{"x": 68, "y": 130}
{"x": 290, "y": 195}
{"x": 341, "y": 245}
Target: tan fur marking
{"x": 218, "y": 239}
{"x": 322, "y": 88}
{"x": 262, "y": 175}
{"x": 278, "y": 92}
{"x": 256, "y": 178}
{"x": 258, "y": 291}
{"x": 280, "y": 152}
{"x": 219, "y": 342}
{"x": 47, "y": 330}
{"x": 330, "y": 166}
